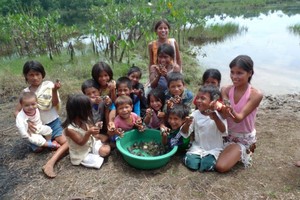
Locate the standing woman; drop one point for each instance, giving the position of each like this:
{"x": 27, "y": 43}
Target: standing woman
{"x": 162, "y": 28}
{"x": 244, "y": 101}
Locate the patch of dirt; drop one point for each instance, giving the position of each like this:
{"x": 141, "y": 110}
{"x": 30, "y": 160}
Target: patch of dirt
{"x": 272, "y": 176}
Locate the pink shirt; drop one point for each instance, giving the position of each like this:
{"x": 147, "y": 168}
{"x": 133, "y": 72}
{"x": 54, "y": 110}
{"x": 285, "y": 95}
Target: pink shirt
{"x": 248, "y": 123}
{"x": 121, "y": 123}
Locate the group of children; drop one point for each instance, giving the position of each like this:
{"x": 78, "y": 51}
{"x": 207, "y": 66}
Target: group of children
{"x": 212, "y": 133}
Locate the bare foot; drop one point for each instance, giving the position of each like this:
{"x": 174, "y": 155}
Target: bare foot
{"x": 49, "y": 171}
{"x": 297, "y": 164}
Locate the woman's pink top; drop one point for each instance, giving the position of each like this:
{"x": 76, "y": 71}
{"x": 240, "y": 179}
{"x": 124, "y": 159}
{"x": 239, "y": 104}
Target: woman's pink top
{"x": 248, "y": 123}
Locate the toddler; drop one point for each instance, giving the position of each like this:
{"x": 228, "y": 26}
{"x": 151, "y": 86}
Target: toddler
{"x": 41, "y": 137}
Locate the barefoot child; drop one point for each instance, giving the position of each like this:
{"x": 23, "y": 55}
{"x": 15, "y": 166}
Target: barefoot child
{"x": 81, "y": 134}
{"x": 208, "y": 127}
{"x": 41, "y": 137}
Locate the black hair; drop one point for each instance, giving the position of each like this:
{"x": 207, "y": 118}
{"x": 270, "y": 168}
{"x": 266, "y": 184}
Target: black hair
{"x": 158, "y": 93}
{"x": 212, "y": 90}
{"x": 78, "y": 105}
{"x": 123, "y": 100}
{"x": 180, "y": 110}
{"x": 162, "y": 21}
{"x": 27, "y": 95}
{"x": 134, "y": 69}
{"x": 175, "y": 76}
{"x": 124, "y": 80}
{"x": 100, "y": 67}
{"x": 245, "y": 62}
{"x": 166, "y": 48}
{"x": 211, "y": 73}
{"x": 89, "y": 84}
{"x": 35, "y": 66}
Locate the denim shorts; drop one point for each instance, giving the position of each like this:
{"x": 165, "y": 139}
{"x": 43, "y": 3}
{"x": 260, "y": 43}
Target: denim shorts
{"x": 56, "y": 128}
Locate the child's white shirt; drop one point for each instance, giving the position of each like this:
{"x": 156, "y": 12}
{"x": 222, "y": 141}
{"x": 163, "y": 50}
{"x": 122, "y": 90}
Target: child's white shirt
{"x": 208, "y": 138}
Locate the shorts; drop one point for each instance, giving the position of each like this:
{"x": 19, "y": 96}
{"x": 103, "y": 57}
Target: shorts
{"x": 196, "y": 162}
{"x": 56, "y": 128}
{"x": 245, "y": 141}
{"x": 93, "y": 159}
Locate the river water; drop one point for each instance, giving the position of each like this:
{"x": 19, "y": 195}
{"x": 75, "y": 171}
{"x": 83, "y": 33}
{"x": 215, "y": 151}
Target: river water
{"x": 268, "y": 41}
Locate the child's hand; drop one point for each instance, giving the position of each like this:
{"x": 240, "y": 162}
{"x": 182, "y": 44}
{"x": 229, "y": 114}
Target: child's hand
{"x": 149, "y": 112}
{"x": 96, "y": 100}
{"x": 161, "y": 114}
{"x": 170, "y": 104}
{"x": 57, "y": 84}
{"x": 111, "y": 127}
{"x": 189, "y": 120}
{"x": 112, "y": 85}
{"x": 216, "y": 105}
{"x": 107, "y": 101}
{"x": 31, "y": 127}
{"x": 137, "y": 92}
{"x": 139, "y": 125}
{"x": 120, "y": 132}
{"x": 99, "y": 124}
{"x": 164, "y": 131}
{"x": 94, "y": 130}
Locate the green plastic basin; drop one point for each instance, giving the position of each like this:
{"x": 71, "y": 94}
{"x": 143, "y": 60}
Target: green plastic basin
{"x": 140, "y": 162}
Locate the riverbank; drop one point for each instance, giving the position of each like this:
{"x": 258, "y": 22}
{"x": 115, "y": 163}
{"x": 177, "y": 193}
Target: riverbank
{"x": 272, "y": 175}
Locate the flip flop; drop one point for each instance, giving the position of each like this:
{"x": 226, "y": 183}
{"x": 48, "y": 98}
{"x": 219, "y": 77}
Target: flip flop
{"x": 53, "y": 145}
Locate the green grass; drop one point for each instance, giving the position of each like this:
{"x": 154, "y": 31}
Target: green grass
{"x": 295, "y": 29}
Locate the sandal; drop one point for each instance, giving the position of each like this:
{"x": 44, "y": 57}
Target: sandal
{"x": 53, "y": 145}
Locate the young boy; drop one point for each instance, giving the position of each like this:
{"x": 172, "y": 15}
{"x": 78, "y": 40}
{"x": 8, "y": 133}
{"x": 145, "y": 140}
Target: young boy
{"x": 209, "y": 128}
{"x": 99, "y": 105}
{"x": 177, "y": 93}
{"x": 176, "y": 117}
{"x": 124, "y": 88}
{"x": 30, "y": 116}
{"x": 135, "y": 74}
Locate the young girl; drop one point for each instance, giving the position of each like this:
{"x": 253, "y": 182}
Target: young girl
{"x": 154, "y": 115}
{"x": 103, "y": 75}
{"x": 244, "y": 100}
{"x": 126, "y": 119}
{"x": 135, "y": 74}
{"x": 158, "y": 73}
{"x": 48, "y": 104}
{"x": 81, "y": 133}
{"x": 210, "y": 77}
{"x": 162, "y": 28}
{"x": 208, "y": 127}
{"x": 47, "y": 98}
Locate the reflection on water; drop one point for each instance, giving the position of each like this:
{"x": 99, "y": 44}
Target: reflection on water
{"x": 273, "y": 48}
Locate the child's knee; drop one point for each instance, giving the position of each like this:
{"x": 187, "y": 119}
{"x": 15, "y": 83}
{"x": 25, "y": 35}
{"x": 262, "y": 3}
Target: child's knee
{"x": 104, "y": 150}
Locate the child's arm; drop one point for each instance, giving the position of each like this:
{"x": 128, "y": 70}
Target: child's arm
{"x": 112, "y": 88}
{"x": 178, "y": 57}
{"x": 77, "y": 138}
{"x": 185, "y": 129}
{"x": 148, "y": 116}
{"x": 150, "y": 55}
{"x": 55, "y": 99}
{"x": 220, "y": 125}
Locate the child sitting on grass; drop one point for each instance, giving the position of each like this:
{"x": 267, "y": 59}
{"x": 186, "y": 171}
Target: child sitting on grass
{"x": 100, "y": 105}
{"x": 126, "y": 119}
{"x": 41, "y": 137}
{"x": 208, "y": 127}
{"x": 81, "y": 133}
{"x": 176, "y": 117}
